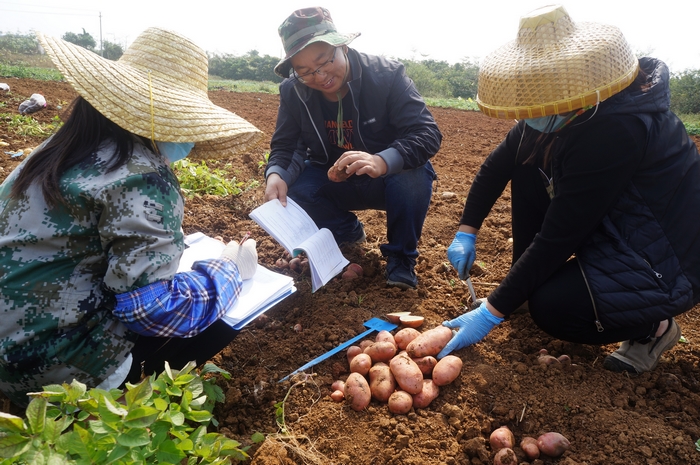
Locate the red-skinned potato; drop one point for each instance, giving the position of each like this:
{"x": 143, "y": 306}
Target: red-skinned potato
{"x": 361, "y": 363}
{"x": 427, "y": 395}
{"x": 381, "y": 351}
{"x": 430, "y": 342}
{"x": 337, "y": 175}
{"x": 405, "y": 336}
{"x": 426, "y": 364}
{"x": 366, "y": 343}
{"x": 295, "y": 264}
{"x": 502, "y": 438}
{"x": 447, "y": 370}
{"x": 395, "y": 317}
{"x": 337, "y": 395}
{"x": 357, "y": 392}
{"x": 529, "y": 446}
{"x": 349, "y": 275}
{"x": 352, "y": 351}
{"x": 505, "y": 456}
{"x": 545, "y": 359}
{"x": 381, "y": 382}
{"x": 411, "y": 321}
{"x": 357, "y": 269}
{"x": 407, "y": 374}
{"x": 338, "y": 385}
{"x": 552, "y": 444}
{"x": 400, "y": 402}
{"x": 385, "y": 335}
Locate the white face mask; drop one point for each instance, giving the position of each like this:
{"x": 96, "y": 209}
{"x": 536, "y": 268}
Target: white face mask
{"x": 547, "y": 123}
{"x": 174, "y": 151}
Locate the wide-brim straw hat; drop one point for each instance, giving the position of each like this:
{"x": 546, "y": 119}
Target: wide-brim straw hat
{"x": 554, "y": 66}
{"x": 304, "y": 27}
{"x": 157, "y": 89}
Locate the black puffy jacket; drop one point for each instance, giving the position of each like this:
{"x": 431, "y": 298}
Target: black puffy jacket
{"x": 626, "y": 182}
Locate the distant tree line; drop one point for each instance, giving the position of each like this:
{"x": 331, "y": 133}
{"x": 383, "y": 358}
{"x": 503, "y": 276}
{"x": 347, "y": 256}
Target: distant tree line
{"x": 437, "y": 79}
{"x": 27, "y": 44}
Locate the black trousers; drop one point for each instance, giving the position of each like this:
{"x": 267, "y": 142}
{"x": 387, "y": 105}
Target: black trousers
{"x": 150, "y": 353}
{"x": 562, "y": 306}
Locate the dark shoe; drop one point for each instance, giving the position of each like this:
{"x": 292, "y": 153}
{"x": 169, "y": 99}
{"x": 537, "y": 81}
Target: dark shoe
{"x": 399, "y": 272}
{"x": 360, "y": 238}
{"x": 634, "y": 357}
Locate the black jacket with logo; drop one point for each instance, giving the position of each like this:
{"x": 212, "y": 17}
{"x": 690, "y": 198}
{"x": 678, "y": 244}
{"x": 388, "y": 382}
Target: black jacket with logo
{"x": 389, "y": 116}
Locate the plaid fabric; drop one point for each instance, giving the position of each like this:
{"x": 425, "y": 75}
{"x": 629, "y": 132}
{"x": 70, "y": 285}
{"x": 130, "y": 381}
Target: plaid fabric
{"x": 185, "y": 306}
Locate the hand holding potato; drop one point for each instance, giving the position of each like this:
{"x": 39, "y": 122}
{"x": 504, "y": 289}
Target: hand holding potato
{"x": 359, "y": 163}
{"x": 471, "y": 327}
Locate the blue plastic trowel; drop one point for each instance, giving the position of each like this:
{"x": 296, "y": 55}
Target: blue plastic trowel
{"x": 374, "y": 324}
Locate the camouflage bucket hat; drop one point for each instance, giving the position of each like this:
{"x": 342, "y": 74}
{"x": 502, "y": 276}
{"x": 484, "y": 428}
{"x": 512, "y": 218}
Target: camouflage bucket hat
{"x": 157, "y": 90}
{"x": 304, "y": 27}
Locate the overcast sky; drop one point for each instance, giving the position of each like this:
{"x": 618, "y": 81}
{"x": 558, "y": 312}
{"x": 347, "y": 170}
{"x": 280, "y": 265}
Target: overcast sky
{"x": 450, "y": 30}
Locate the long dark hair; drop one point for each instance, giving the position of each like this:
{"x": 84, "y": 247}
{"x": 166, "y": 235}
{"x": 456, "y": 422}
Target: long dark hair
{"x": 78, "y": 138}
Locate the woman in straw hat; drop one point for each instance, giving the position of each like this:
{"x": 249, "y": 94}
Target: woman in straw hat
{"x": 362, "y": 115}
{"x": 90, "y": 225}
{"x": 605, "y": 187}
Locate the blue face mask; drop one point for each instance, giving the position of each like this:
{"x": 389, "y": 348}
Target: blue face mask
{"x": 547, "y": 123}
{"x": 174, "y": 151}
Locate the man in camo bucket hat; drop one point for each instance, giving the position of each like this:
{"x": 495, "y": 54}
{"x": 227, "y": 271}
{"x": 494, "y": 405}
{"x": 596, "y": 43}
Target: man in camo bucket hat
{"x": 304, "y": 27}
{"x": 91, "y": 226}
{"x": 361, "y": 117}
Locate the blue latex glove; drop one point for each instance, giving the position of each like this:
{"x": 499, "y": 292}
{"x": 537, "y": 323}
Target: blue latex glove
{"x": 462, "y": 252}
{"x": 471, "y": 327}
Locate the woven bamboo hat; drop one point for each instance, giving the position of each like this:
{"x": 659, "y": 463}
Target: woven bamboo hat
{"x": 554, "y": 66}
{"x": 157, "y": 89}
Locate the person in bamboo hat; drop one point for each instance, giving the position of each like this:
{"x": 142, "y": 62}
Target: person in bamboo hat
{"x": 605, "y": 186}
{"x": 361, "y": 116}
{"x": 91, "y": 225}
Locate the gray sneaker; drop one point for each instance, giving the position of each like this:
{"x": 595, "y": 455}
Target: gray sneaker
{"x": 636, "y": 358}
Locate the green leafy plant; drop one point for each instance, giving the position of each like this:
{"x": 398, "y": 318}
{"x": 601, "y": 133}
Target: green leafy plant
{"x": 162, "y": 419}
{"x": 263, "y": 163}
{"x": 25, "y": 125}
{"x": 31, "y": 72}
{"x": 199, "y": 178}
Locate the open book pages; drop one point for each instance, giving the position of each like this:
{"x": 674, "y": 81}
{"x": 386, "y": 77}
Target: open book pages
{"x": 294, "y": 229}
{"x": 325, "y": 258}
{"x": 258, "y": 294}
{"x": 290, "y": 225}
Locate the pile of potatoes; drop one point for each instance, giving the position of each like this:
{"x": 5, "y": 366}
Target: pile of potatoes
{"x": 400, "y": 370}
{"x": 502, "y": 442}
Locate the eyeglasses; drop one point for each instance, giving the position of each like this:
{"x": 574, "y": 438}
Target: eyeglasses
{"x": 321, "y": 70}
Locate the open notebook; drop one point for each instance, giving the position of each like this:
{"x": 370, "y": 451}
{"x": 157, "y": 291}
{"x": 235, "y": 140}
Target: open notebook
{"x": 294, "y": 229}
{"x": 258, "y": 294}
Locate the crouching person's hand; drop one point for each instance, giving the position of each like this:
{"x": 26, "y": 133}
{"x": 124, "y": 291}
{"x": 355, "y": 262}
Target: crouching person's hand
{"x": 471, "y": 327}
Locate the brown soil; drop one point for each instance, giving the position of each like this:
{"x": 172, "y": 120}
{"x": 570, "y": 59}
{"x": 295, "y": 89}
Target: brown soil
{"x": 609, "y": 418}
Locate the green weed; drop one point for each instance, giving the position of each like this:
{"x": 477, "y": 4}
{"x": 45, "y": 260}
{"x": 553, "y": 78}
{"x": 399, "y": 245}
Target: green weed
{"x": 26, "y": 125}
{"x": 458, "y": 103}
{"x": 198, "y": 179}
{"x": 266, "y": 87}
{"x": 30, "y": 72}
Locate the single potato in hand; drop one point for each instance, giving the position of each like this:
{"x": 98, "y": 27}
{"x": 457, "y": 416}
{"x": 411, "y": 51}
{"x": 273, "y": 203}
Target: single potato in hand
{"x": 337, "y": 175}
